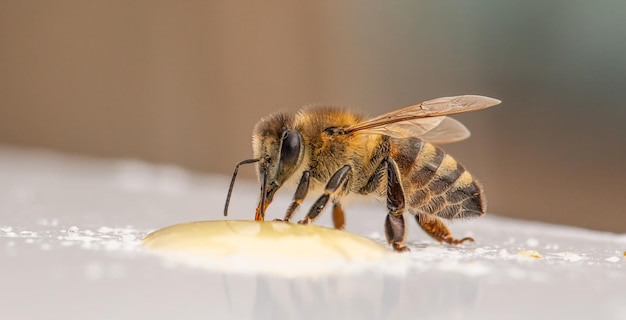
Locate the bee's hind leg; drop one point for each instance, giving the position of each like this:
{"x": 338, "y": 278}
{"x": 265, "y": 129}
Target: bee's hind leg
{"x": 394, "y": 223}
{"x": 435, "y": 228}
{"x": 334, "y": 187}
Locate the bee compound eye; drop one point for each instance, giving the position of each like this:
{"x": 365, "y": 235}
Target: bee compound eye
{"x": 290, "y": 147}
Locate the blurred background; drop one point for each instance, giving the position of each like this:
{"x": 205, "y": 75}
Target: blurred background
{"x": 184, "y": 82}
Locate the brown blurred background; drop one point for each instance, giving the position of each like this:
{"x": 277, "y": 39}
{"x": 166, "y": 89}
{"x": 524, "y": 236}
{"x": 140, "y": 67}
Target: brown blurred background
{"x": 184, "y": 83}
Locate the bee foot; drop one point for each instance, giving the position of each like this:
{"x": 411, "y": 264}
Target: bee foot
{"x": 304, "y": 221}
{"x": 400, "y": 248}
{"x": 450, "y": 240}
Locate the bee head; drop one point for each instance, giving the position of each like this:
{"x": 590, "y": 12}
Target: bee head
{"x": 280, "y": 150}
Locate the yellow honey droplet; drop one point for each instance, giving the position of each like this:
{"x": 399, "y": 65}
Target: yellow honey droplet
{"x": 269, "y": 246}
{"x": 533, "y": 254}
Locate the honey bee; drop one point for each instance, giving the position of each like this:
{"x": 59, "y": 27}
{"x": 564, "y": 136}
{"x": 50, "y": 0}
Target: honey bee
{"x": 393, "y": 156}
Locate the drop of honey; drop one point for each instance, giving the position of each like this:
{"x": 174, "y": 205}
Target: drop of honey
{"x": 265, "y": 247}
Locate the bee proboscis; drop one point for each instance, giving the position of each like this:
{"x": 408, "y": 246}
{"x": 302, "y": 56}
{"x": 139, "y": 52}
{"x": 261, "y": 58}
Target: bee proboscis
{"x": 393, "y": 156}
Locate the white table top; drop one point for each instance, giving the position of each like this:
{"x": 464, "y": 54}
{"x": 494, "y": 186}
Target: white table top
{"x": 70, "y": 230}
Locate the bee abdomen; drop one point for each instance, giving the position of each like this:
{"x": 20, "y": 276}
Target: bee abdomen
{"x": 437, "y": 184}
{"x": 464, "y": 199}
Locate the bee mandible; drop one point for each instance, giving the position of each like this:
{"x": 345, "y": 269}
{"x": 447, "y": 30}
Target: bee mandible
{"x": 393, "y": 157}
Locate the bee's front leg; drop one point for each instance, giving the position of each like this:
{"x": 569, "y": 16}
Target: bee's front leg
{"x": 298, "y": 197}
{"x": 335, "y": 185}
{"x": 394, "y": 223}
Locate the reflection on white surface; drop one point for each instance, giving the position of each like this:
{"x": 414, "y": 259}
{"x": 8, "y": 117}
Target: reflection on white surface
{"x": 367, "y": 296}
{"x": 69, "y": 249}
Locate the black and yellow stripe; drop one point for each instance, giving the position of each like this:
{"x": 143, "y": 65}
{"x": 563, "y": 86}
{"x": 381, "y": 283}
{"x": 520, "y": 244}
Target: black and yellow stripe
{"x": 434, "y": 182}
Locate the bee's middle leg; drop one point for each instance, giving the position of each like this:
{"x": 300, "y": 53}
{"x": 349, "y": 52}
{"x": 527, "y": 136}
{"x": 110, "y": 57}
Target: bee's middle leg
{"x": 335, "y": 185}
{"x": 394, "y": 223}
{"x": 298, "y": 197}
{"x": 339, "y": 218}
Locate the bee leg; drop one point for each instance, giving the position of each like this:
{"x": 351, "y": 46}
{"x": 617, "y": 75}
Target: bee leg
{"x": 339, "y": 219}
{"x": 437, "y": 229}
{"x": 394, "y": 223}
{"x": 335, "y": 185}
{"x": 301, "y": 191}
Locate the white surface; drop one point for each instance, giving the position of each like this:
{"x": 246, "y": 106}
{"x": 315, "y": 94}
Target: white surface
{"x": 69, "y": 249}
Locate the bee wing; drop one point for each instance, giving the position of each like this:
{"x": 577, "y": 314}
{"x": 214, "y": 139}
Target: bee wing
{"x": 437, "y": 130}
{"x": 401, "y": 129}
{"x": 419, "y": 119}
{"x": 448, "y": 131}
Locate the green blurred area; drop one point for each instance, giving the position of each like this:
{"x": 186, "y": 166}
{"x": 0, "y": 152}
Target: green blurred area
{"x": 185, "y": 82}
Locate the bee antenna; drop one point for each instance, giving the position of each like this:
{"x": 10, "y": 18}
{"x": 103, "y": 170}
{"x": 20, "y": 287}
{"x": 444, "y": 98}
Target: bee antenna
{"x": 232, "y": 182}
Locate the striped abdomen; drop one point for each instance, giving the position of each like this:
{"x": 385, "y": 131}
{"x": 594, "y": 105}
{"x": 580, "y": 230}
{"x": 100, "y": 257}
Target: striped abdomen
{"x": 435, "y": 183}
